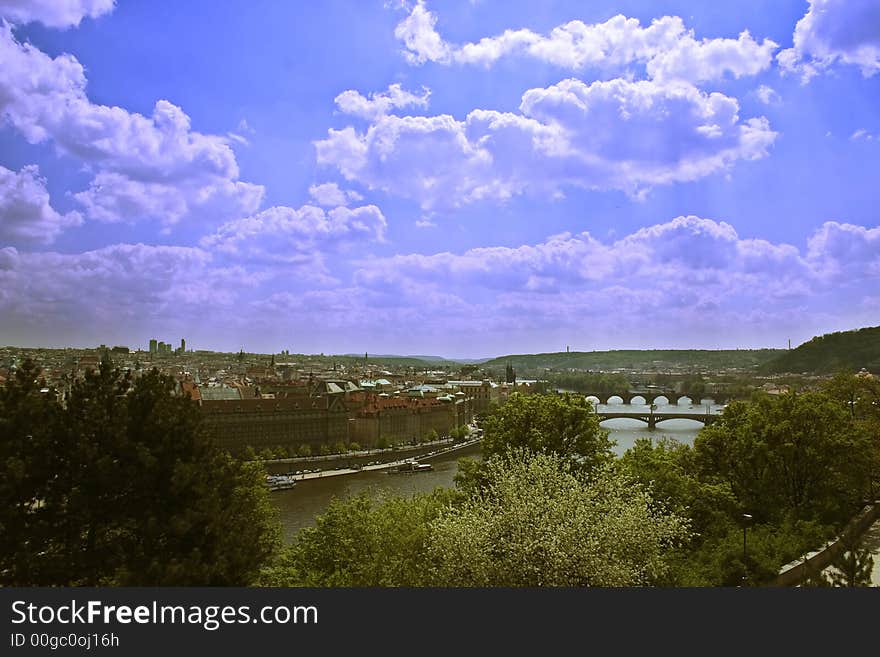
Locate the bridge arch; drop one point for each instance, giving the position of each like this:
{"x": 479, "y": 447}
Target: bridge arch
{"x": 594, "y": 400}
{"x": 684, "y": 401}
{"x": 661, "y": 400}
{"x": 615, "y": 400}
{"x": 638, "y": 400}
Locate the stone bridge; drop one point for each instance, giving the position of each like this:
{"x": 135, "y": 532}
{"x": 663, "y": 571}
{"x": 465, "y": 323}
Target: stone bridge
{"x": 651, "y": 418}
{"x": 641, "y": 398}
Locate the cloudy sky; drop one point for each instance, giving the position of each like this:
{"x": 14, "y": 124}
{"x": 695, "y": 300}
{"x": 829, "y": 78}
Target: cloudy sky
{"x": 464, "y": 178}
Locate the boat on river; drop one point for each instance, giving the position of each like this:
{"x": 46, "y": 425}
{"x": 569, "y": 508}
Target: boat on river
{"x": 409, "y": 467}
{"x": 280, "y": 482}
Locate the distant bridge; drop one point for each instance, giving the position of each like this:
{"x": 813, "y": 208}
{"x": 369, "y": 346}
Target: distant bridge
{"x": 651, "y": 418}
{"x": 640, "y": 398}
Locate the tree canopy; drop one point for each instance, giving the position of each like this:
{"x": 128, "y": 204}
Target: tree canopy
{"x": 119, "y": 486}
{"x": 564, "y": 425}
{"x": 540, "y": 522}
{"x": 829, "y": 353}
{"x": 794, "y": 455}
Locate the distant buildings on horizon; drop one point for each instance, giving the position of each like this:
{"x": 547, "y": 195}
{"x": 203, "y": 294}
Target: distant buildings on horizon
{"x": 159, "y": 348}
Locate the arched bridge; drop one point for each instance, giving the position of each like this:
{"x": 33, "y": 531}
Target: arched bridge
{"x": 651, "y": 418}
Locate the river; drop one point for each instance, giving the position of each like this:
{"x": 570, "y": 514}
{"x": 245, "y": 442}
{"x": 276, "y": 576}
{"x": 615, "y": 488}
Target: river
{"x": 299, "y": 506}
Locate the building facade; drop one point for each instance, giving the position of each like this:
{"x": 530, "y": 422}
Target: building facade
{"x": 276, "y": 424}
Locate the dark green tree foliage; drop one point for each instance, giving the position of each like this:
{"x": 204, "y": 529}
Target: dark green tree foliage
{"x": 706, "y": 359}
{"x": 790, "y": 455}
{"x": 829, "y": 353}
{"x": 121, "y": 487}
{"x": 668, "y": 469}
{"x": 591, "y": 382}
{"x": 860, "y": 396}
{"x": 28, "y": 447}
{"x": 564, "y": 425}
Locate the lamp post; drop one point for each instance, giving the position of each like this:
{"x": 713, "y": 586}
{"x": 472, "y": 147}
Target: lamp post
{"x": 746, "y": 518}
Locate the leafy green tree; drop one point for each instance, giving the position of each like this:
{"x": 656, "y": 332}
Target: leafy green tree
{"x": 719, "y": 559}
{"x": 790, "y": 454}
{"x": 541, "y": 522}
{"x": 304, "y": 450}
{"x": 363, "y": 541}
{"x": 667, "y": 468}
{"x": 324, "y": 449}
{"x": 340, "y": 448}
{"x": 859, "y": 394}
{"x": 354, "y": 447}
{"x": 126, "y": 490}
{"x": 383, "y": 443}
{"x": 564, "y": 425}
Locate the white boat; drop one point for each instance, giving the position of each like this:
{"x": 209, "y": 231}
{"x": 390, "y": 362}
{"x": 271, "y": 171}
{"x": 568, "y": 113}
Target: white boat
{"x": 409, "y": 467}
{"x": 280, "y": 482}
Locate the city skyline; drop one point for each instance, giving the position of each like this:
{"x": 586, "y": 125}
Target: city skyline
{"x": 465, "y": 179}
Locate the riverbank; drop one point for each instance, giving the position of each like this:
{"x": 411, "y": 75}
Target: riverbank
{"x": 360, "y": 457}
{"x": 385, "y": 465}
{"x": 299, "y": 506}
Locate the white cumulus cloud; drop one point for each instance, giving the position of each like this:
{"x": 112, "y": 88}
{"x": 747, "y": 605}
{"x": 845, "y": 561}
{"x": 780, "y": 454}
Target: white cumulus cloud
{"x": 160, "y": 155}
{"x": 606, "y": 135}
{"x": 26, "y": 215}
{"x": 379, "y": 104}
{"x": 330, "y": 195}
{"x": 297, "y": 237}
{"x": 835, "y": 32}
{"x": 666, "y": 48}
{"x": 53, "y": 13}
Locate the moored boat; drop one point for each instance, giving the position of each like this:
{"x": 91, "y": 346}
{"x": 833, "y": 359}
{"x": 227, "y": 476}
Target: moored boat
{"x": 409, "y": 467}
{"x": 280, "y": 482}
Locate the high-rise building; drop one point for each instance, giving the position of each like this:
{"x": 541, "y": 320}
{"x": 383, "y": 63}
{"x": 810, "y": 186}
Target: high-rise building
{"x": 182, "y": 345}
{"x": 161, "y": 347}
{"x": 154, "y": 346}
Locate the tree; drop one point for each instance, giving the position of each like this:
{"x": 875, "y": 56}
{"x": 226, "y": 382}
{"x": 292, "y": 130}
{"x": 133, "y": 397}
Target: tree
{"x": 304, "y": 450}
{"x": 790, "y": 454}
{"x": 564, "y": 425}
{"x": 667, "y": 468}
{"x": 539, "y": 521}
{"x": 853, "y": 566}
{"x": 126, "y": 490}
{"x": 363, "y": 541}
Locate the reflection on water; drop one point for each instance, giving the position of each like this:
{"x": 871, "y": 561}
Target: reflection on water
{"x": 624, "y": 432}
{"x": 298, "y": 506}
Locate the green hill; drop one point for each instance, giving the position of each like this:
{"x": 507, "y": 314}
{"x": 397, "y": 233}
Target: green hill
{"x": 832, "y": 352}
{"x": 709, "y": 359}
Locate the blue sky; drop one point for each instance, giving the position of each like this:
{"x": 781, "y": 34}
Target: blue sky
{"x": 462, "y": 177}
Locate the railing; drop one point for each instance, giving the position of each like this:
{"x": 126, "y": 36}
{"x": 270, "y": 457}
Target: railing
{"x": 797, "y": 572}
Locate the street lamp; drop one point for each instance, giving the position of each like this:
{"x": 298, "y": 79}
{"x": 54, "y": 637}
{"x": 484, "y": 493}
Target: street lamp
{"x": 746, "y": 519}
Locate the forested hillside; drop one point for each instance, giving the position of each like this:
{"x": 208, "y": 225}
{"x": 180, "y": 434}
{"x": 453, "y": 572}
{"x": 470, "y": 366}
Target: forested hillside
{"x": 829, "y": 353}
